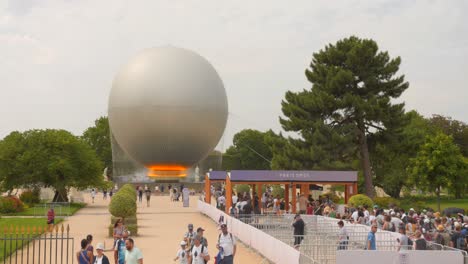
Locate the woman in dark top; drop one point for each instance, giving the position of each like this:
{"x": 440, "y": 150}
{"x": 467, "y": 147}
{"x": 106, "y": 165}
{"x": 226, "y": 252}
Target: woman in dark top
{"x": 299, "y": 226}
{"x": 420, "y": 242}
{"x": 84, "y": 256}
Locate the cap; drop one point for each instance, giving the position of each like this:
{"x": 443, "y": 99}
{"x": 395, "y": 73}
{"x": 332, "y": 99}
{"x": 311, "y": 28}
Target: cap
{"x": 411, "y": 209}
{"x": 190, "y": 225}
{"x": 427, "y": 220}
{"x": 440, "y": 228}
{"x": 223, "y": 225}
{"x": 200, "y": 229}
{"x": 376, "y": 206}
{"x": 183, "y": 243}
{"x": 100, "y": 246}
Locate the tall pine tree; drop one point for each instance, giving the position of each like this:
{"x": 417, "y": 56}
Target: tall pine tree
{"x": 352, "y": 87}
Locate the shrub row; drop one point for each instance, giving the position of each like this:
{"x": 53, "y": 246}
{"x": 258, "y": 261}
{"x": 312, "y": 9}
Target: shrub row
{"x": 31, "y": 197}
{"x": 10, "y": 204}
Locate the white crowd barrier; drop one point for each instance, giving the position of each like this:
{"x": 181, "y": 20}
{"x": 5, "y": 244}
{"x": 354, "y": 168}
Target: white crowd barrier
{"x": 402, "y": 257}
{"x": 270, "y": 247}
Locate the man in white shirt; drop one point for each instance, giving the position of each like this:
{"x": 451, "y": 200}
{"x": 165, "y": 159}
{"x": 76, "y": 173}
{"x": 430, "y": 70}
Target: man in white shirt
{"x": 234, "y": 198}
{"x": 198, "y": 253}
{"x": 221, "y": 202}
{"x": 226, "y": 243}
{"x": 132, "y": 255}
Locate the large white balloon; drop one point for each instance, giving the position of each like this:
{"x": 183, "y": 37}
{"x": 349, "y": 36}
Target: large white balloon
{"x": 167, "y": 109}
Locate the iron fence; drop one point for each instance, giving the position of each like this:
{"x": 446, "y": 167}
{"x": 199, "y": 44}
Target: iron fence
{"x": 36, "y": 245}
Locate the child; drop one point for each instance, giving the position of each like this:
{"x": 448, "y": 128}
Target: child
{"x": 182, "y": 253}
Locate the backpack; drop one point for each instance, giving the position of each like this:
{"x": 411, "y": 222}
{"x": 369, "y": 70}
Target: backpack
{"x": 392, "y": 228}
{"x": 410, "y": 242}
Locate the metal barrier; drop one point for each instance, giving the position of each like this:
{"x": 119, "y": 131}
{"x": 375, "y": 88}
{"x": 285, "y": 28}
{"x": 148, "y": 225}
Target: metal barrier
{"x": 35, "y": 245}
{"x": 320, "y": 242}
{"x": 60, "y": 209}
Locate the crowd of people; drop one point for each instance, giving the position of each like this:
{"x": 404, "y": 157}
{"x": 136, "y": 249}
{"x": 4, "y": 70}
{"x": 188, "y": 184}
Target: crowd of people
{"x": 124, "y": 250}
{"x": 194, "y": 247}
{"x": 420, "y": 230}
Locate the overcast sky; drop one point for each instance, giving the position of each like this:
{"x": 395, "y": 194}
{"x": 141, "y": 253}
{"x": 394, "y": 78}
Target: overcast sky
{"x": 58, "y": 58}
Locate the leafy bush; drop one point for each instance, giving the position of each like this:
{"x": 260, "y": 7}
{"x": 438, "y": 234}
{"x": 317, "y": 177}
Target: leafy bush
{"x": 129, "y": 190}
{"x": 386, "y": 202}
{"x": 10, "y": 204}
{"x": 123, "y": 205}
{"x": 30, "y": 197}
{"x": 360, "y": 200}
{"x": 332, "y": 196}
{"x": 277, "y": 190}
{"x": 241, "y": 188}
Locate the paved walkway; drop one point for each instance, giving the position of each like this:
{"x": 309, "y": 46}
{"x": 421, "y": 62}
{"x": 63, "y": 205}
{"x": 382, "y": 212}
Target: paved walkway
{"x": 161, "y": 228}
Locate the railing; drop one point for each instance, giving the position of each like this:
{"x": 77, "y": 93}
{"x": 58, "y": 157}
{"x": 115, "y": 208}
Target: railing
{"x": 36, "y": 245}
{"x": 275, "y": 250}
{"x": 60, "y": 209}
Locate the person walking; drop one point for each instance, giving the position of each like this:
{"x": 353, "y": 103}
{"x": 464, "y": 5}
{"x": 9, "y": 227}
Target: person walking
{"x": 371, "y": 244}
{"x": 51, "y": 219}
{"x": 226, "y": 245}
{"x": 119, "y": 249}
{"x": 186, "y": 197}
{"x": 299, "y": 227}
{"x": 203, "y": 240}
{"x": 100, "y": 258}
{"x": 188, "y": 237}
{"x": 198, "y": 253}
{"x": 148, "y": 196}
{"x": 93, "y": 194}
{"x": 140, "y": 194}
{"x": 84, "y": 256}
{"x": 404, "y": 240}
{"x": 104, "y": 194}
{"x": 111, "y": 192}
{"x": 182, "y": 254}
{"x": 343, "y": 236}
{"x": 133, "y": 255}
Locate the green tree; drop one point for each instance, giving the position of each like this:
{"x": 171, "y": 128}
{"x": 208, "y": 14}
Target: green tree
{"x": 457, "y": 129}
{"x": 98, "y": 137}
{"x": 353, "y": 84}
{"x": 249, "y": 151}
{"x": 438, "y": 164}
{"x": 392, "y": 149}
{"x": 48, "y": 158}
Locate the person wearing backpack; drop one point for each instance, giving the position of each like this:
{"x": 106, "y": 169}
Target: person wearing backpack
{"x": 227, "y": 245}
{"x": 458, "y": 240}
{"x": 198, "y": 253}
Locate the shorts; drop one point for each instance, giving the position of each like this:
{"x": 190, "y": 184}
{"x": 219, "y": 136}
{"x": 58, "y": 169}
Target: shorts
{"x": 51, "y": 222}
{"x": 298, "y": 240}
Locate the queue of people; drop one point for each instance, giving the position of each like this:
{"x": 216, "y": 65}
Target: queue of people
{"x": 194, "y": 247}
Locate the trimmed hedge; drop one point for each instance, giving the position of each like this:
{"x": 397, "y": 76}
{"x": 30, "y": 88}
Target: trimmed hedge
{"x": 122, "y": 205}
{"x": 360, "y": 200}
{"x": 132, "y": 220}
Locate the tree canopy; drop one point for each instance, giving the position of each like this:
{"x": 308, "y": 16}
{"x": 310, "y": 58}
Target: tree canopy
{"x": 98, "y": 137}
{"x": 353, "y": 84}
{"x": 438, "y": 164}
{"x": 48, "y": 158}
{"x": 249, "y": 151}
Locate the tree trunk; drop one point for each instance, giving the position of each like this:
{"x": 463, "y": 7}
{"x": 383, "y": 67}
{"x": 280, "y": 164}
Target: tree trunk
{"x": 438, "y": 198}
{"x": 60, "y": 196}
{"x": 365, "y": 162}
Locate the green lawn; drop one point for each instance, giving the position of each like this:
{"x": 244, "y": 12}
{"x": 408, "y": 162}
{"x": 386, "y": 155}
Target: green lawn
{"x": 19, "y": 222}
{"x": 460, "y": 203}
{"x": 59, "y": 210}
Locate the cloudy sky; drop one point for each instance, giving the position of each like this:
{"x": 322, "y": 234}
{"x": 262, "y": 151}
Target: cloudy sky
{"x": 58, "y": 57}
